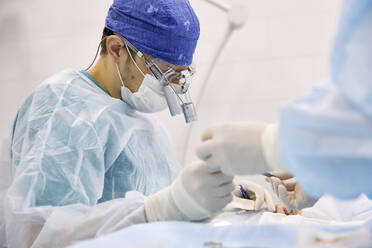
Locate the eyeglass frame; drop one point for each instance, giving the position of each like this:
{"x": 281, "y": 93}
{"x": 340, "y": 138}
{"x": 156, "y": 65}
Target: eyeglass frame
{"x": 163, "y": 76}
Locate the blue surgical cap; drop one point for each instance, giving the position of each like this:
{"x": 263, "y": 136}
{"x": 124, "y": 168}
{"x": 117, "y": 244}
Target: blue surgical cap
{"x": 164, "y": 29}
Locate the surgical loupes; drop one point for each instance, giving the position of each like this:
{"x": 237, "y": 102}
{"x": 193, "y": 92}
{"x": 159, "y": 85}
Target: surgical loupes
{"x": 177, "y": 94}
{"x": 179, "y": 100}
{"x": 172, "y": 100}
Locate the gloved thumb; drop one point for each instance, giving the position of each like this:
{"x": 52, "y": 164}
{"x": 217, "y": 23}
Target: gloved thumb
{"x": 269, "y": 201}
{"x": 205, "y": 150}
{"x": 207, "y": 135}
{"x": 259, "y": 196}
{"x": 212, "y": 131}
{"x": 209, "y": 152}
{"x": 260, "y": 199}
{"x": 275, "y": 182}
{"x": 283, "y": 195}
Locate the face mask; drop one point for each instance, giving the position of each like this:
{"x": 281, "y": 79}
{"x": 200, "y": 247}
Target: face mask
{"x": 148, "y": 99}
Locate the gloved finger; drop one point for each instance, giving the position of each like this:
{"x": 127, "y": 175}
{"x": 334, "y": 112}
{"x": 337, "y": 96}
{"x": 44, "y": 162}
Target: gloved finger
{"x": 283, "y": 195}
{"x": 251, "y": 188}
{"x": 198, "y": 163}
{"x": 275, "y": 182}
{"x": 207, "y": 135}
{"x": 206, "y": 149}
{"x": 251, "y": 195}
{"x": 292, "y": 199}
{"x": 260, "y": 199}
{"x": 269, "y": 179}
{"x": 237, "y": 192}
{"x": 269, "y": 201}
{"x": 241, "y": 203}
{"x": 213, "y": 166}
{"x": 212, "y": 131}
{"x": 300, "y": 193}
{"x": 224, "y": 189}
{"x": 198, "y": 166}
{"x": 248, "y": 193}
{"x": 255, "y": 192}
{"x": 290, "y": 184}
{"x": 226, "y": 198}
{"x": 291, "y": 195}
{"x": 201, "y": 168}
{"x": 219, "y": 178}
{"x": 281, "y": 175}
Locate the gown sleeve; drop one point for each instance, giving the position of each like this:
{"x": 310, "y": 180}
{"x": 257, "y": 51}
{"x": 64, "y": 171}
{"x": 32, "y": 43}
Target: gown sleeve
{"x": 58, "y": 177}
{"x": 326, "y": 137}
{"x": 326, "y": 143}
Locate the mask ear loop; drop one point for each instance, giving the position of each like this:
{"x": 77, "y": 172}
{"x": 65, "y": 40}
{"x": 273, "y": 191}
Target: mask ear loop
{"x": 121, "y": 79}
{"x": 168, "y": 72}
{"x": 130, "y": 55}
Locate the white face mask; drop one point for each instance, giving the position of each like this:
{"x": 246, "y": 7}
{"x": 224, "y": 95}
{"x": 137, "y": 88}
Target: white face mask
{"x": 149, "y": 98}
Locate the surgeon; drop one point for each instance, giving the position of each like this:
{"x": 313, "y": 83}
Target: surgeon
{"x": 87, "y": 155}
{"x": 325, "y": 138}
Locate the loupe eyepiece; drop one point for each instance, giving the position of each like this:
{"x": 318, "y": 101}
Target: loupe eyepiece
{"x": 172, "y": 100}
{"x": 189, "y": 112}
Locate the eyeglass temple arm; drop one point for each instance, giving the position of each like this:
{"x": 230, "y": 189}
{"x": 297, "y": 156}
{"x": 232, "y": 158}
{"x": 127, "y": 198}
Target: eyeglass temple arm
{"x": 154, "y": 69}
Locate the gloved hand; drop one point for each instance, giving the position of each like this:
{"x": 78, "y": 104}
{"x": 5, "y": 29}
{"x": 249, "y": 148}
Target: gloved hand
{"x": 242, "y": 148}
{"x": 285, "y": 186}
{"x": 197, "y": 193}
{"x": 257, "y": 194}
{"x": 234, "y": 147}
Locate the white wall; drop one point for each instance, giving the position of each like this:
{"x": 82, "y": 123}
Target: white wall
{"x": 39, "y": 38}
{"x": 283, "y": 49}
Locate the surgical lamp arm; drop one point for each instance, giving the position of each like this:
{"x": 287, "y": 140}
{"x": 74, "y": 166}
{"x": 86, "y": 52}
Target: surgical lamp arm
{"x": 219, "y": 4}
{"x": 237, "y": 16}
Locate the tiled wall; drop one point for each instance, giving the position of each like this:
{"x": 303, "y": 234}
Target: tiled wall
{"x": 281, "y": 51}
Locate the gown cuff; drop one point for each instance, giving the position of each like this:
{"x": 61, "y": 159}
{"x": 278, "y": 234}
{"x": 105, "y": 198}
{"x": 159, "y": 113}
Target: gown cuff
{"x": 161, "y": 207}
{"x": 271, "y": 148}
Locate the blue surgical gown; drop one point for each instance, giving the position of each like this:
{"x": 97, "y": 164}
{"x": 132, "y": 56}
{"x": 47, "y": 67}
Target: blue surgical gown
{"x": 73, "y": 143}
{"x": 326, "y": 137}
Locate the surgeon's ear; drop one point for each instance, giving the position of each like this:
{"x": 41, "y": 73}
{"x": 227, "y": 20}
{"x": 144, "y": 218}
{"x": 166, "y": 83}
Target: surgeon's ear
{"x": 114, "y": 45}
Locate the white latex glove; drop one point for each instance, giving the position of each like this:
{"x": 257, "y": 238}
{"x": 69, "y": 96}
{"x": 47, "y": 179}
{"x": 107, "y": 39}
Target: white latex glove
{"x": 242, "y": 148}
{"x": 235, "y": 148}
{"x": 197, "y": 193}
{"x": 258, "y": 196}
{"x": 286, "y": 187}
